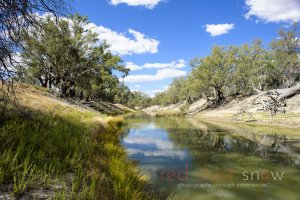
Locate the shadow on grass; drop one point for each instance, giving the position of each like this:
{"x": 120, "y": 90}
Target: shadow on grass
{"x": 65, "y": 156}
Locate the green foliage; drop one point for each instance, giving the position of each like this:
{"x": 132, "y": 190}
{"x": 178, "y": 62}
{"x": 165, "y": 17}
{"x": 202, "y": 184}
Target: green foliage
{"x": 285, "y": 54}
{"x": 214, "y": 70}
{"x": 26, "y": 174}
{"x": 122, "y": 94}
{"x": 238, "y": 70}
{"x": 159, "y": 99}
{"x": 139, "y": 99}
{"x": 66, "y": 55}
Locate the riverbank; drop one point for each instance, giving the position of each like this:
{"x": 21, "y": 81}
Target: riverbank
{"x": 237, "y": 109}
{"x": 52, "y": 149}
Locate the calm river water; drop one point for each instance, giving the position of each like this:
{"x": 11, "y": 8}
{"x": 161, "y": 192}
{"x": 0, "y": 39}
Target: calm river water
{"x": 199, "y": 160}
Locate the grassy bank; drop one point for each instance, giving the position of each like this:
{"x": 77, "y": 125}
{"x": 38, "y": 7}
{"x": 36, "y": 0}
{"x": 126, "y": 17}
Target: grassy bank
{"x": 50, "y": 149}
{"x": 289, "y": 120}
{"x": 254, "y": 128}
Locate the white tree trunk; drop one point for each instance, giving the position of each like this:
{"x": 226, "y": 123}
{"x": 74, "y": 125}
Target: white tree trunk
{"x": 289, "y": 92}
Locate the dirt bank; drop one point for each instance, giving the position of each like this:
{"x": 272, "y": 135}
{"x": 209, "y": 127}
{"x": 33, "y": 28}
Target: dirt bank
{"x": 238, "y": 109}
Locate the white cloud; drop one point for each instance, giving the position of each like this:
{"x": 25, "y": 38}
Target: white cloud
{"x": 218, "y": 29}
{"x": 158, "y": 153}
{"x": 146, "y": 3}
{"x": 161, "y": 74}
{"x": 132, "y": 66}
{"x": 274, "y": 10}
{"x": 166, "y": 87}
{"x": 132, "y": 42}
{"x": 157, "y": 142}
{"x": 122, "y": 44}
{"x": 174, "y": 64}
{"x": 152, "y": 93}
{"x": 162, "y": 147}
{"x": 137, "y": 86}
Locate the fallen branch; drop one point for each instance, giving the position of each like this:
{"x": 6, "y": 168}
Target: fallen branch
{"x": 290, "y": 92}
{"x": 276, "y": 98}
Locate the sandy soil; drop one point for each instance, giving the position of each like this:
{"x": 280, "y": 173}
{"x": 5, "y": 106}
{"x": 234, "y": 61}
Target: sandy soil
{"x": 229, "y": 111}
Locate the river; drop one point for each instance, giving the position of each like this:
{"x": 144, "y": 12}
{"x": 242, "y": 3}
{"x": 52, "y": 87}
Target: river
{"x": 193, "y": 160}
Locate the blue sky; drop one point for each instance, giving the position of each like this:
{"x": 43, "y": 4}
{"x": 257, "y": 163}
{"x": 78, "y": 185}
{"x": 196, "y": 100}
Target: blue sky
{"x": 158, "y": 38}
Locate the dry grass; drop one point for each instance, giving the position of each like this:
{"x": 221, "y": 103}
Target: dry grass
{"x": 283, "y": 120}
{"x": 65, "y": 150}
{"x": 123, "y": 107}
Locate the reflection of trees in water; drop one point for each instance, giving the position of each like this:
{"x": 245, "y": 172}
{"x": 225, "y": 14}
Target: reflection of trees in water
{"x": 216, "y": 151}
{"x": 211, "y": 138}
{"x": 279, "y": 148}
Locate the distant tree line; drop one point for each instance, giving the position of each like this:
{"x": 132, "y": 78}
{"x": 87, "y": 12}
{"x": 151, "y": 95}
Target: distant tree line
{"x": 238, "y": 70}
{"x": 139, "y": 99}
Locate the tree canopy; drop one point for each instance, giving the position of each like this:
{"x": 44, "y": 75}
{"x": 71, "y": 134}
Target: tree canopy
{"x": 17, "y": 16}
{"x": 69, "y": 57}
{"x": 239, "y": 70}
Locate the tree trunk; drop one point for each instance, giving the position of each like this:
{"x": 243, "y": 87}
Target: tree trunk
{"x": 43, "y": 82}
{"x": 50, "y": 78}
{"x": 64, "y": 89}
{"x": 50, "y": 82}
{"x": 289, "y": 92}
{"x": 218, "y": 94}
{"x": 81, "y": 95}
{"x": 87, "y": 98}
{"x": 72, "y": 91}
{"x": 46, "y": 80}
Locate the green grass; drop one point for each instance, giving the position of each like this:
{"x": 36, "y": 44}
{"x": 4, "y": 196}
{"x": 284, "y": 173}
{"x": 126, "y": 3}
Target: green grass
{"x": 74, "y": 154}
{"x": 287, "y": 120}
{"x": 251, "y": 127}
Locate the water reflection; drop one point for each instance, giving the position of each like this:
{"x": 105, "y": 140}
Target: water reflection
{"x": 194, "y": 160}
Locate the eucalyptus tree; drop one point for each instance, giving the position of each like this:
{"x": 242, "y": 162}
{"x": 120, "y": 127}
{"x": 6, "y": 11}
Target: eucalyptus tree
{"x": 286, "y": 51}
{"x": 58, "y": 53}
{"x": 139, "y": 99}
{"x": 253, "y": 68}
{"x": 122, "y": 93}
{"x": 16, "y": 16}
{"x": 68, "y": 56}
{"x": 213, "y": 71}
{"x": 159, "y": 99}
{"x": 242, "y": 70}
